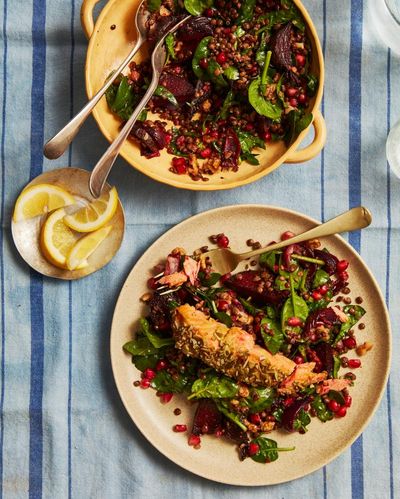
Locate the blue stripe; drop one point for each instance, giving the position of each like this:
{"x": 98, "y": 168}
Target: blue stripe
{"x": 387, "y": 291}
{"x": 3, "y": 169}
{"x": 71, "y": 112}
{"x": 36, "y": 285}
{"x": 357, "y": 470}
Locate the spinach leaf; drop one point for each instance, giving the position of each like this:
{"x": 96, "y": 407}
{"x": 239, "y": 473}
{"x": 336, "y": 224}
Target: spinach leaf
{"x": 165, "y": 383}
{"x": 213, "y": 68}
{"x": 294, "y": 13}
{"x": 142, "y": 362}
{"x": 322, "y": 412}
{"x": 212, "y": 279}
{"x": 155, "y": 340}
{"x": 239, "y": 32}
{"x": 121, "y": 99}
{"x": 336, "y": 366}
{"x": 222, "y": 406}
{"x": 201, "y": 52}
{"x": 228, "y": 101}
{"x": 302, "y": 421}
{"x": 231, "y": 73}
{"x": 312, "y": 85}
{"x": 249, "y": 307}
{"x": 268, "y": 450}
{"x": 260, "y": 54}
{"x": 224, "y": 318}
{"x": 140, "y": 346}
{"x": 214, "y": 386}
{"x": 297, "y": 121}
{"x": 351, "y": 321}
{"x": 163, "y": 92}
{"x": 248, "y": 141}
{"x": 321, "y": 277}
{"x": 272, "y": 342}
{"x": 337, "y": 396}
{"x": 260, "y": 399}
{"x": 250, "y": 158}
{"x": 268, "y": 260}
{"x": 197, "y": 7}
{"x": 153, "y": 5}
{"x": 246, "y": 11}
{"x": 170, "y": 44}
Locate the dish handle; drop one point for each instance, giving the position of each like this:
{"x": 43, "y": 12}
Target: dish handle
{"x": 313, "y": 149}
{"x": 87, "y": 20}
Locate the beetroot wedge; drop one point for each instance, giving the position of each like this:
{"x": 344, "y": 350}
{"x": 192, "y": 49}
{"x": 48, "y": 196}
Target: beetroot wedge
{"x": 207, "y": 417}
{"x": 254, "y": 284}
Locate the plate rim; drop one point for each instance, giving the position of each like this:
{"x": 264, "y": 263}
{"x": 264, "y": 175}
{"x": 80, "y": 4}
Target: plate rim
{"x": 186, "y": 466}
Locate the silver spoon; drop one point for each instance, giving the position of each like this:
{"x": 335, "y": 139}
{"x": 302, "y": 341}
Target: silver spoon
{"x": 102, "y": 169}
{"x": 57, "y": 145}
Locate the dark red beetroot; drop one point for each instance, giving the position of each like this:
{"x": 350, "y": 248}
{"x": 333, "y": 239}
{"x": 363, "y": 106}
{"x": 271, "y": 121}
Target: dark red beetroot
{"x": 291, "y": 412}
{"x": 234, "y": 433}
{"x": 179, "y": 86}
{"x": 207, "y": 416}
{"x": 288, "y": 251}
{"x": 231, "y": 150}
{"x": 280, "y": 44}
{"x": 247, "y": 284}
{"x": 195, "y": 29}
{"x": 151, "y": 136}
{"x": 330, "y": 260}
{"x": 160, "y": 310}
{"x": 325, "y": 354}
{"x": 158, "y": 29}
{"x": 325, "y": 317}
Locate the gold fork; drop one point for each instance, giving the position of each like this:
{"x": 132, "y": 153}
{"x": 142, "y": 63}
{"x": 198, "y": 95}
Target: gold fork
{"x": 223, "y": 260}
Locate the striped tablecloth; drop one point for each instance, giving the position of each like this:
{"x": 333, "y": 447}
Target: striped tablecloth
{"x": 63, "y": 430}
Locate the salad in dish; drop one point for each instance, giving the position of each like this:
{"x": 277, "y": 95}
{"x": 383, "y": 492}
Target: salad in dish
{"x": 267, "y": 348}
{"x": 237, "y": 77}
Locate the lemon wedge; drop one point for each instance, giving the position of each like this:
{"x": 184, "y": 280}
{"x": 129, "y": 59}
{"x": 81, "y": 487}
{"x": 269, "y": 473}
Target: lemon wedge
{"x": 95, "y": 215}
{"x": 57, "y": 239}
{"x": 40, "y": 199}
{"x": 77, "y": 258}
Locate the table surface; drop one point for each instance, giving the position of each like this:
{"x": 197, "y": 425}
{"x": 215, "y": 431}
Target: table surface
{"x": 64, "y": 431}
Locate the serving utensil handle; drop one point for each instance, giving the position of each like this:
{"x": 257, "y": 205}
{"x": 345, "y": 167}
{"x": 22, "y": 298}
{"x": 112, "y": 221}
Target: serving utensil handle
{"x": 354, "y": 219}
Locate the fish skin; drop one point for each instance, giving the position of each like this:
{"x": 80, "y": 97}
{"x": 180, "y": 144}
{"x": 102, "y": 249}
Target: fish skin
{"x": 233, "y": 351}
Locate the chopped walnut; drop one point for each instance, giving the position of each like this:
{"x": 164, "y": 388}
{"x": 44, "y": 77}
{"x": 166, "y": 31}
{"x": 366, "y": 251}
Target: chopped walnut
{"x": 364, "y": 348}
{"x": 146, "y": 297}
{"x": 178, "y": 251}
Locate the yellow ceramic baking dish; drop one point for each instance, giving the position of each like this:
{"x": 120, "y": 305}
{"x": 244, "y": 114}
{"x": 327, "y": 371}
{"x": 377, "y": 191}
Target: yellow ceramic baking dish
{"x": 111, "y": 38}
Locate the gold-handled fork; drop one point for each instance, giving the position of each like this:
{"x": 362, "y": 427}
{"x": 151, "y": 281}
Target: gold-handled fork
{"x": 224, "y": 260}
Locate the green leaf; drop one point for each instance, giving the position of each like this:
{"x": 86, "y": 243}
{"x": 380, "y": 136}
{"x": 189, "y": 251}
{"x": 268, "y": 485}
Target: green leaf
{"x": 312, "y": 85}
{"x": 170, "y": 44}
{"x": 337, "y": 396}
{"x": 212, "y": 68}
{"x": 269, "y": 260}
{"x": 260, "y": 54}
{"x": 294, "y": 306}
{"x": 153, "y": 5}
{"x": 321, "y": 277}
{"x": 268, "y": 450}
{"x": 248, "y": 141}
{"x": 224, "y": 318}
{"x": 161, "y": 91}
{"x": 261, "y": 104}
{"x": 222, "y": 406}
{"x": 351, "y": 321}
{"x": 297, "y": 122}
{"x": 155, "y": 340}
{"x": 212, "y": 279}
{"x": 228, "y": 101}
{"x": 336, "y": 366}
{"x": 250, "y": 158}
{"x": 197, "y": 7}
{"x": 143, "y": 362}
{"x": 231, "y": 73}
{"x": 239, "y": 32}
{"x": 323, "y": 413}
{"x": 201, "y": 52}
{"x": 272, "y": 342}
{"x": 260, "y": 399}
{"x": 165, "y": 383}
{"x": 121, "y": 99}
{"x": 302, "y": 421}
{"x": 249, "y": 307}
{"x": 140, "y": 346}
{"x": 214, "y": 386}
{"x": 246, "y": 11}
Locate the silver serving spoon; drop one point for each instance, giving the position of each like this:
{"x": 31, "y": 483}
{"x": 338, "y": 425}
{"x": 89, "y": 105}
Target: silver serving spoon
{"x": 57, "y": 145}
{"x": 102, "y": 169}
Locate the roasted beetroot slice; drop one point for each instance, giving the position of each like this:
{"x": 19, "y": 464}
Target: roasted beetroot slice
{"x": 330, "y": 260}
{"x": 195, "y": 29}
{"x": 290, "y": 413}
{"x": 160, "y": 310}
{"x": 280, "y": 44}
{"x": 179, "y": 86}
{"x": 151, "y": 136}
{"x": 325, "y": 355}
{"x": 231, "y": 150}
{"x": 325, "y": 317}
{"x": 247, "y": 284}
{"x": 234, "y": 433}
{"x": 206, "y": 415}
{"x": 158, "y": 29}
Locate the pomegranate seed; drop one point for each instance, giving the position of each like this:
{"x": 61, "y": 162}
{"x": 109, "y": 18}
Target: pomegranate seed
{"x": 293, "y": 102}
{"x": 205, "y": 153}
{"x": 288, "y": 401}
{"x": 152, "y": 283}
{"x": 249, "y": 126}
{"x": 253, "y": 449}
{"x": 323, "y": 289}
{"x": 166, "y": 397}
{"x": 214, "y": 134}
{"x": 350, "y": 342}
{"x": 317, "y": 296}
{"x": 298, "y": 359}
{"x": 168, "y": 138}
{"x": 161, "y": 364}
{"x": 267, "y": 136}
{"x": 222, "y": 305}
{"x": 347, "y": 400}
{"x": 342, "y": 265}
{"x": 294, "y": 321}
{"x": 222, "y": 241}
{"x": 341, "y": 413}
{"x": 209, "y": 12}
{"x": 333, "y": 405}
{"x": 255, "y": 418}
{"x": 354, "y": 363}
{"x": 179, "y": 428}
{"x": 218, "y": 433}
{"x": 343, "y": 276}
{"x": 144, "y": 383}
{"x": 302, "y": 98}
{"x": 300, "y": 60}
{"x": 181, "y": 169}
{"x": 291, "y": 92}
{"x": 221, "y": 58}
{"x": 149, "y": 373}
{"x": 203, "y": 63}
{"x": 287, "y": 235}
{"x": 194, "y": 440}
{"x": 225, "y": 278}
{"x": 227, "y": 31}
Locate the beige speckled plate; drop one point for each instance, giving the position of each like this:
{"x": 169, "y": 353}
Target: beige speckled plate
{"x": 217, "y": 460}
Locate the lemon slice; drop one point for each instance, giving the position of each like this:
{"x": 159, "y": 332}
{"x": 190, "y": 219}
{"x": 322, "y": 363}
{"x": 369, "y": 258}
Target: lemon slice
{"x": 40, "y": 199}
{"x": 79, "y": 254}
{"x": 57, "y": 239}
{"x": 95, "y": 215}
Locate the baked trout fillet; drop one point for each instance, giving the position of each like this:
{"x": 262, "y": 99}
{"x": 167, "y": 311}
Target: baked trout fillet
{"x": 233, "y": 351}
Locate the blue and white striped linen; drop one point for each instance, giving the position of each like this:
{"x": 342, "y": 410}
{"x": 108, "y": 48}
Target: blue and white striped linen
{"x": 63, "y": 430}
